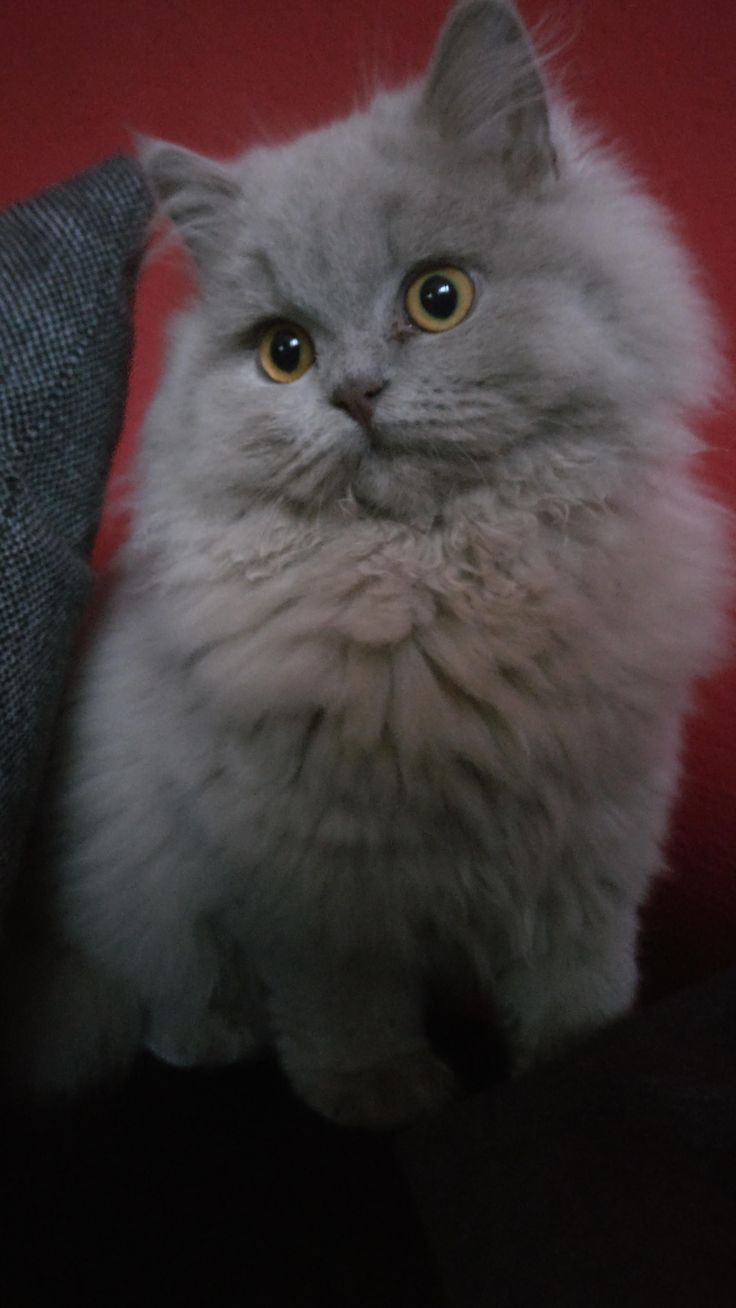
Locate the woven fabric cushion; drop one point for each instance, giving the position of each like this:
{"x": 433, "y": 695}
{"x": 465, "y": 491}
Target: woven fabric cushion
{"x": 68, "y": 262}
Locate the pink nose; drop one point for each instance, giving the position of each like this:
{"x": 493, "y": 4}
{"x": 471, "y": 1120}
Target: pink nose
{"x": 356, "y": 396}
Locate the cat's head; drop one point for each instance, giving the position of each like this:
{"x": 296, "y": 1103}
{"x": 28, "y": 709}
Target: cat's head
{"x": 392, "y": 304}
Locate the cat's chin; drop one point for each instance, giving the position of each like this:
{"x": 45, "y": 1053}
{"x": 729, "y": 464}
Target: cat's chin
{"x": 394, "y": 486}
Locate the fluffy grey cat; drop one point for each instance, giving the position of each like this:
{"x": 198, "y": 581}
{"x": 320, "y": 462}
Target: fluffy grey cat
{"x": 418, "y": 582}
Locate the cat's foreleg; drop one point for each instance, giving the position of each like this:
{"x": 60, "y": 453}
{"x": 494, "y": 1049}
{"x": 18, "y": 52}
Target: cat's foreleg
{"x": 350, "y": 1037}
{"x": 568, "y": 985}
{"x": 186, "y": 1024}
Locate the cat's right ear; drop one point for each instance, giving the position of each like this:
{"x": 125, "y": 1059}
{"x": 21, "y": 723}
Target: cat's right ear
{"x": 195, "y": 192}
{"x": 485, "y": 94}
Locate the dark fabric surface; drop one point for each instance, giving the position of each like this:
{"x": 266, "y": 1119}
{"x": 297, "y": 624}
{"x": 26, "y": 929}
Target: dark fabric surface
{"x": 603, "y": 1180}
{"x": 217, "y": 1190}
{"x": 68, "y": 261}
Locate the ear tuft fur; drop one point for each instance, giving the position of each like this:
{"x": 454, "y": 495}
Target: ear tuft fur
{"x": 193, "y": 191}
{"x": 484, "y": 90}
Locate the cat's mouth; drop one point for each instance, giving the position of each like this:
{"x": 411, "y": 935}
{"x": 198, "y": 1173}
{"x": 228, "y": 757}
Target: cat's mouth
{"x": 382, "y": 440}
{"x": 422, "y": 444}
{"x": 374, "y": 439}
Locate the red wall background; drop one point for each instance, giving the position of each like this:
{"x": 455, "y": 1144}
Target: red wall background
{"x": 658, "y": 75}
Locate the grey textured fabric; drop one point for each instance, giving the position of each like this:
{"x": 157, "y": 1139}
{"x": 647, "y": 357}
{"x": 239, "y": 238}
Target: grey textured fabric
{"x": 68, "y": 262}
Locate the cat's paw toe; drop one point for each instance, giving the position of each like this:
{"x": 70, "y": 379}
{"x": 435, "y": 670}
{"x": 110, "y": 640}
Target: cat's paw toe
{"x": 213, "y": 1043}
{"x": 386, "y": 1095}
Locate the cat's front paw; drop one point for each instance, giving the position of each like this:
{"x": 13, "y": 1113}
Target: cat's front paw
{"x": 213, "y": 1042}
{"x": 389, "y": 1094}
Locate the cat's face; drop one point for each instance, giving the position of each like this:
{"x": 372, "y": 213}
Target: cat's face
{"x": 342, "y": 243}
{"x": 391, "y": 303}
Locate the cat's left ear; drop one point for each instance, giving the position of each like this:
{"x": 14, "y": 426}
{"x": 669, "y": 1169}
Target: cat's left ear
{"x": 195, "y": 192}
{"x": 484, "y": 91}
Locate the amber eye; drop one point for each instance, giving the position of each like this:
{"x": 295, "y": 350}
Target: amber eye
{"x": 439, "y": 299}
{"x": 285, "y": 352}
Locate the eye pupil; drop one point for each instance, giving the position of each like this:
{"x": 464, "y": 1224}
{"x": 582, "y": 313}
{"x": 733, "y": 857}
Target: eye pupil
{"x": 438, "y": 296}
{"x": 286, "y": 350}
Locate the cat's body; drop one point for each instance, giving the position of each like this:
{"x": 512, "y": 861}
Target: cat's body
{"x": 378, "y": 693}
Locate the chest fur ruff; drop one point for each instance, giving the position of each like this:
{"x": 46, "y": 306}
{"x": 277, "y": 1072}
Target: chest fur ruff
{"x": 390, "y": 658}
